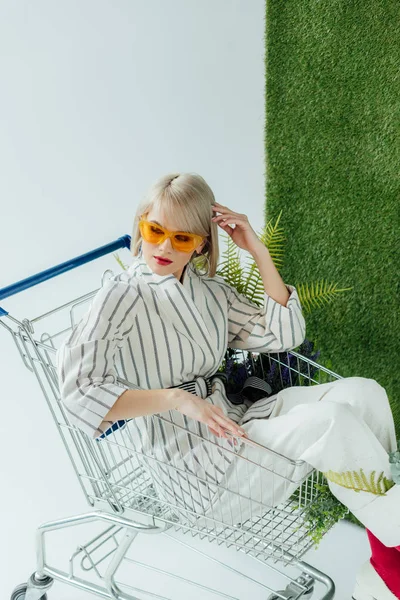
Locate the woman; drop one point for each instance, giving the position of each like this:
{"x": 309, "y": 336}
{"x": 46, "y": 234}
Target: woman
{"x": 160, "y": 324}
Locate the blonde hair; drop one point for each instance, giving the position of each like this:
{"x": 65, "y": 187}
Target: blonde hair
{"x": 188, "y": 198}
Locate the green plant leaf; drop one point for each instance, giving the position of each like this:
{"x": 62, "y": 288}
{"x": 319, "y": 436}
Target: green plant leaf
{"x": 318, "y": 293}
{"x": 358, "y": 481}
{"x": 119, "y": 261}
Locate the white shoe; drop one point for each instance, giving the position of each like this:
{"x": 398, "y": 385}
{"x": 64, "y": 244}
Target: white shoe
{"x": 374, "y": 515}
{"x": 370, "y": 586}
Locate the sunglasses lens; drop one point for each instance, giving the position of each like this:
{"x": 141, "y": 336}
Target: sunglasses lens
{"x": 151, "y": 232}
{"x": 183, "y": 243}
{"x": 154, "y": 234}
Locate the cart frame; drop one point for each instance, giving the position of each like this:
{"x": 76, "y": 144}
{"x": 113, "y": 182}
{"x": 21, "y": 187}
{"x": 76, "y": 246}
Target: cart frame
{"x": 123, "y": 494}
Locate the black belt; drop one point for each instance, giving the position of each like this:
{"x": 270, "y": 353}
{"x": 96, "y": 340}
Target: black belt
{"x": 201, "y": 386}
{"x": 253, "y": 388}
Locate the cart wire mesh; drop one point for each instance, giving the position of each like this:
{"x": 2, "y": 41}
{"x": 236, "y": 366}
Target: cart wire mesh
{"x": 140, "y": 481}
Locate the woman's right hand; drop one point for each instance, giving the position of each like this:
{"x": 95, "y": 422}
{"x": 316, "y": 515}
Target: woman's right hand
{"x": 197, "y": 408}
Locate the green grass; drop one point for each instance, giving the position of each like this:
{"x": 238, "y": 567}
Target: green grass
{"x": 332, "y": 136}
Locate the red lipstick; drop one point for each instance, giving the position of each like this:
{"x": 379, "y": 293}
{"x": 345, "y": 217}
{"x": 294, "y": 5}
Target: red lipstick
{"x": 162, "y": 261}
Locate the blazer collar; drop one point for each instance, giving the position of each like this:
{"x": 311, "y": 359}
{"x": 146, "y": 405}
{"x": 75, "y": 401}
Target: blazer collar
{"x": 150, "y": 276}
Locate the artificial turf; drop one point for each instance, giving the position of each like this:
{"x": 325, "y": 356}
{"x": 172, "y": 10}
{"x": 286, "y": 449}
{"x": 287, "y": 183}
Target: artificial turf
{"x": 332, "y": 140}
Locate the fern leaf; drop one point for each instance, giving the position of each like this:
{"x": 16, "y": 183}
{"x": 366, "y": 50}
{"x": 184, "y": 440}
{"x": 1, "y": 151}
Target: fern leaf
{"x": 230, "y": 267}
{"x": 253, "y": 286}
{"x": 272, "y": 237}
{"x": 318, "y": 293}
{"x": 372, "y": 480}
{"x": 379, "y": 483}
{"x": 358, "y": 481}
{"x": 366, "y": 483}
{"x": 119, "y": 261}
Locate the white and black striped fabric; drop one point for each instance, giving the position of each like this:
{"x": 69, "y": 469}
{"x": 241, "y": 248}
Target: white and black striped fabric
{"x": 155, "y": 332}
{"x": 149, "y": 331}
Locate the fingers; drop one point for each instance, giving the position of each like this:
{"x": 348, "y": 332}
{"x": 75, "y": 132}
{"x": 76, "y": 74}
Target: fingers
{"x": 221, "y": 425}
{"x": 232, "y": 441}
{"x": 229, "y": 218}
{"x": 226, "y": 212}
{"x": 229, "y": 230}
{"x": 220, "y": 208}
{"x": 228, "y": 424}
{"x": 218, "y": 432}
{"x": 215, "y": 427}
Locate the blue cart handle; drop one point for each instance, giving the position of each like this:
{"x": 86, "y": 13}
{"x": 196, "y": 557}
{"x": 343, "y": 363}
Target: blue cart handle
{"x": 15, "y": 288}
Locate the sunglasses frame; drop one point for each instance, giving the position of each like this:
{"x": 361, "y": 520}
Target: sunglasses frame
{"x": 197, "y": 239}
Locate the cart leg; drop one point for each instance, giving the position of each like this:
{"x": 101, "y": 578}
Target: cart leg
{"x": 111, "y": 585}
{"x": 43, "y": 578}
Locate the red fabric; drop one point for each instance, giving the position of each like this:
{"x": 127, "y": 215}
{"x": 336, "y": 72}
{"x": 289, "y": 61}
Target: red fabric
{"x": 386, "y": 562}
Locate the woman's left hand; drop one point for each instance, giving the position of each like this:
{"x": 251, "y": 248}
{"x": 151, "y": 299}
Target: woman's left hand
{"x": 243, "y": 235}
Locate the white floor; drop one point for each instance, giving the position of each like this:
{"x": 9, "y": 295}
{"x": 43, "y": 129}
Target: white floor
{"x": 341, "y": 552}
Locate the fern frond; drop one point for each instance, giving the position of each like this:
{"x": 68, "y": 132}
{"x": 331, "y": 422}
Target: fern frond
{"x": 317, "y": 294}
{"x": 230, "y": 267}
{"x": 358, "y": 481}
{"x": 272, "y": 237}
{"x": 380, "y": 481}
{"x": 119, "y": 261}
{"x": 253, "y": 286}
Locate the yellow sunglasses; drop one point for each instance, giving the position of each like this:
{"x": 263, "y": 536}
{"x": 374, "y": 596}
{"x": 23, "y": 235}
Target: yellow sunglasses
{"x": 180, "y": 240}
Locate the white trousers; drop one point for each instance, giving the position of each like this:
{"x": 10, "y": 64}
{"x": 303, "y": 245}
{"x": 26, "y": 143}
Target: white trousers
{"x": 344, "y": 429}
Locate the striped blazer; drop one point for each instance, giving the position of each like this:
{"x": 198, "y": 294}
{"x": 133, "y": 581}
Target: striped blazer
{"x": 155, "y": 332}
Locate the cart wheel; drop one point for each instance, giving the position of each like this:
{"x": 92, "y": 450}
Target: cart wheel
{"x": 20, "y": 591}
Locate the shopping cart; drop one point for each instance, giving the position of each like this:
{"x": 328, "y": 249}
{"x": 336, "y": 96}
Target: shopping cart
{"x": 123, "y": 488}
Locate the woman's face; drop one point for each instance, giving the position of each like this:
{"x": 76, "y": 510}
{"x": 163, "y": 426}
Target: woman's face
{"x": 165, "y": 249}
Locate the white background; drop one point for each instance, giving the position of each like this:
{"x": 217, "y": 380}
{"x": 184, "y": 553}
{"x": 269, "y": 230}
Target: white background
{"x": 98, "y": 99}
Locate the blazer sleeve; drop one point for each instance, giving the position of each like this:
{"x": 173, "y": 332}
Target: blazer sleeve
{"x": 85, "y": 361}
{"x": 269, "y": 328}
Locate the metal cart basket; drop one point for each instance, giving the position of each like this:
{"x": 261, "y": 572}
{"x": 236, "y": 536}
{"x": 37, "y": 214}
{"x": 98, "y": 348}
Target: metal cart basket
{"x": 126, "y": 490}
